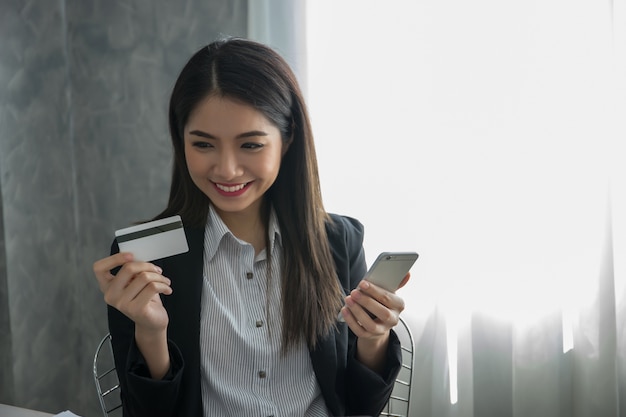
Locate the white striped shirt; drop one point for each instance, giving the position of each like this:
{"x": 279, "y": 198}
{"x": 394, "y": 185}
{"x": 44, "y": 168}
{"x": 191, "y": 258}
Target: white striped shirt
{"x": 243, "y": 371}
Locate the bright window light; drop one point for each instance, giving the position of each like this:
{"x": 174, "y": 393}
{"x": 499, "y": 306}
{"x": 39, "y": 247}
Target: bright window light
{"x": 476, "y": 133}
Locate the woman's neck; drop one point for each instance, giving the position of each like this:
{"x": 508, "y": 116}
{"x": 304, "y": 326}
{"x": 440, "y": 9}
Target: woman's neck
{"x": 249, "y": 227}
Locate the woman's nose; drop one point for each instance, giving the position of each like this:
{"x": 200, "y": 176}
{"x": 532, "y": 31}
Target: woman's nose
{"x": 228, "y": 166}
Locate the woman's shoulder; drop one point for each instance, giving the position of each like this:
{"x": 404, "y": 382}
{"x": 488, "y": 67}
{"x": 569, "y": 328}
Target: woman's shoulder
{"x": 344, "y": 228}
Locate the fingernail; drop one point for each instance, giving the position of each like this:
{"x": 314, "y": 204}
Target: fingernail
{"x": 340, "y": 317}
{"x": 158, "y": 269}
{"x": 364, "y": 285}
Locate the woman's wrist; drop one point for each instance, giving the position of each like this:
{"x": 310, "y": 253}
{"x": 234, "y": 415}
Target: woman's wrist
{"x": 372, "y": 352}
{"x": 153, "y": 346}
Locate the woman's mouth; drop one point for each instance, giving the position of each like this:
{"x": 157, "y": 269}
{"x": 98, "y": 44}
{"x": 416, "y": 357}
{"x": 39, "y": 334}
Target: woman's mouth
{"x": 231, "y": 190}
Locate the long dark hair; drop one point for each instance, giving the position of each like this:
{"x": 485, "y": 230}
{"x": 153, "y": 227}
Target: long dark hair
{"x": 254, "y": 74}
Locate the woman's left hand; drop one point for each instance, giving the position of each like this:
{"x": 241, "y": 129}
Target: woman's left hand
{"x": 372, "y": 332}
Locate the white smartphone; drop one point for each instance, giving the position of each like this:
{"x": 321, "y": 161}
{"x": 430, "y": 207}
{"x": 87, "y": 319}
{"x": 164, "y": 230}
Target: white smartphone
{"x": 390, "y": 268}
{"x": 388, "y": 271}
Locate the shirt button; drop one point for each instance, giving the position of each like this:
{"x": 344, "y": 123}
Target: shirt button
{"x": 249, "y": 275}
{"x": 262, "y": 374}
{"x": 259, "y": 323}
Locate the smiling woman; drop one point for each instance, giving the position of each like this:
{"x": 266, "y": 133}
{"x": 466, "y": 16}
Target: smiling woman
{"x": 483, "y": 134}
{"x": 233, "y": 153}
{"x": 245, "y": 322}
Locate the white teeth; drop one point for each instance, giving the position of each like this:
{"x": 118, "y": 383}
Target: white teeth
{"x": 230, "y": 189}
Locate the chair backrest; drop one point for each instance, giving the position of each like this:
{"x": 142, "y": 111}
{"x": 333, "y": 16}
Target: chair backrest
{"x": 108, "y": 386}
{"x": 105, "y": 378}
{"x": 398, "y": 404}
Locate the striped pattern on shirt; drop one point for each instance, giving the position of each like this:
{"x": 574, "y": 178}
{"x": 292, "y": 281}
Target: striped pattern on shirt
{"x": 243, "y": 370}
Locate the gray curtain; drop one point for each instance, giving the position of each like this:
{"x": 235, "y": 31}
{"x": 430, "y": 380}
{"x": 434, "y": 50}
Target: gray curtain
{"x": 84, "y": 150}
{"x": 282, "y": 25}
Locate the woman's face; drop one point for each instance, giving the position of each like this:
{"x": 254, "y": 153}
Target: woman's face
{"x": 233, "y": 154}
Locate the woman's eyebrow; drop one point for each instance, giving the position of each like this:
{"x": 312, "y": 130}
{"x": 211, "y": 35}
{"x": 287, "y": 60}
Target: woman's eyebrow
{"x": 202, "y": 134}
{"x": 251, "y": 133}
{"x": 243, "y": 135}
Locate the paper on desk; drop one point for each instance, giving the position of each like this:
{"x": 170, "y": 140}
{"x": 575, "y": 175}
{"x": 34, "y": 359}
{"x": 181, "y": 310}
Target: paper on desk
{"x": 66, "y": 414}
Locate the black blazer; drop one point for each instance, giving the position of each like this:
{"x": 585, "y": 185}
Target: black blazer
{"x": 348, "y": 387}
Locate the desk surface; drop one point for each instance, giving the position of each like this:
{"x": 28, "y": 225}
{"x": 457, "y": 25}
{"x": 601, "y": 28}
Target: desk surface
{"x": 12, "y": 411}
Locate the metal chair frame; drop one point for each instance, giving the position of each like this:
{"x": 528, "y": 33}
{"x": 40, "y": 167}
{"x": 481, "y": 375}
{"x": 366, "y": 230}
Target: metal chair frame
{"x": 398, "y": 404}
{"x": 397, "y": 400}
{"x": 98, "y": 376}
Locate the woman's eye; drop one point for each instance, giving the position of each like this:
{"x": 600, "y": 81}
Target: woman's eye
{"x": 202, "y": 145}
{"x": 252, "y": 145}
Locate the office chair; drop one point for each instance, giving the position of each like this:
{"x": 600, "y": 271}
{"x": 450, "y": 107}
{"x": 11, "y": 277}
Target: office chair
{"x": 398, "y": 404}
{"x": 108, "y": 387}
{"x": 105, "y": 378}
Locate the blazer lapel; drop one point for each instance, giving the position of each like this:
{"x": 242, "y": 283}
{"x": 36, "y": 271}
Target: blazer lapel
{"x": 183, "y": 304}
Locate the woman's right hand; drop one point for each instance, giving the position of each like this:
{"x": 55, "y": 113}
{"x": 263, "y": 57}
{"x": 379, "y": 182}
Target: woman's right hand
{"x": 135, "y": 290}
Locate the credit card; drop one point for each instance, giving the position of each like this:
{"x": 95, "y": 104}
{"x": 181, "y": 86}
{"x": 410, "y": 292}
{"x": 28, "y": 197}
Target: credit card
{"x": 153, "y": 240}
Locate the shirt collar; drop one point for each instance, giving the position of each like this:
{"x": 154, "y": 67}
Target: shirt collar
{"x": 216, "y": 229}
